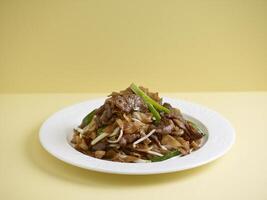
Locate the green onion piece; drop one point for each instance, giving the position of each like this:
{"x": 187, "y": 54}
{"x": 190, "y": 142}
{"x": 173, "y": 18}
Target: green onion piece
{"x": 147, "y": 99}
{"x": 100, "y": 130}
{"x": 154, "y": 112}
{"x": 166, "y": 156}
{"x": 87, "y": 119}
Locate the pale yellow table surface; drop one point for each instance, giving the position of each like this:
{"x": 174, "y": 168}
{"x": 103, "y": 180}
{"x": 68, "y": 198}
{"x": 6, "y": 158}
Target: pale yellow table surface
{"x": 29, "y": 172}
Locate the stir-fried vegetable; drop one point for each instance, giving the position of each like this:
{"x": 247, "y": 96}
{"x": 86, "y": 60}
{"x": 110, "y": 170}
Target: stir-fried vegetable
{"x": 87, "y": 119}
{"x": 166, "y": 156}
{"x": 152, "y": 105}
{"x": 147, "y": 99}
{"x": 154, "y": 112}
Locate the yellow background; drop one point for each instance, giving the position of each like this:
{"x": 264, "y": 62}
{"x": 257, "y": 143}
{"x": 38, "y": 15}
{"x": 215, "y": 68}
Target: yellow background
{"x": 98, "y": 46}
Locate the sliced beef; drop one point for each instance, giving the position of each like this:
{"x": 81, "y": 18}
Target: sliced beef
{"x": 180, "y": 123}
{"x": 131, "y": 137}
{"x": 123, "y": 142}
{"x": 99, "y": 146}
{"x": 174, "y": 112}
{"x": 190, "y": 133}
{"x": 166, "y": 126}
{"x": 122, "y": 104}
{"x": 194, "y": 133}
{"x": 116, "y": 105}
{"x": 129, "y": 102}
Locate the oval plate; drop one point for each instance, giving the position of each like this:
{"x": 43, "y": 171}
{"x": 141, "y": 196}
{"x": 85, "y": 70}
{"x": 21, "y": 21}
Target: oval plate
{"x": 56, "y": 132}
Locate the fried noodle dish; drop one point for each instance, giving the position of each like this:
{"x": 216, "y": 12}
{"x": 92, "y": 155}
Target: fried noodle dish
{"x": 135, "y": 126}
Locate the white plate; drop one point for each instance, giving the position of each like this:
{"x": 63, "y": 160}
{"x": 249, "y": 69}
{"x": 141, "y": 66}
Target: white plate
{"x": 56, "y": 132}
